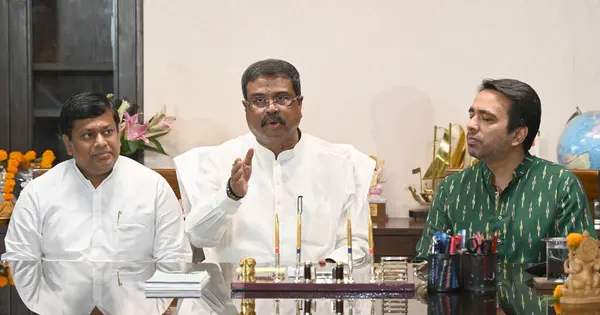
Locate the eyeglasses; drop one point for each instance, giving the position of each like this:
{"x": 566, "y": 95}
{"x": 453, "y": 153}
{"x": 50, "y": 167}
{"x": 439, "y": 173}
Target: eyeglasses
{"x": 282, "y": 100}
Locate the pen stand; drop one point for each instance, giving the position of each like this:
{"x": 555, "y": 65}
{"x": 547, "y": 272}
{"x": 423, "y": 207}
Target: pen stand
{"x": 478, "y": 272}
{"x": 444, "y": 272}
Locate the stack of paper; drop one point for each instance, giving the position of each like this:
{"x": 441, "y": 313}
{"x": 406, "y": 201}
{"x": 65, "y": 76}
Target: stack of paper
{"x": 172, "y": 285}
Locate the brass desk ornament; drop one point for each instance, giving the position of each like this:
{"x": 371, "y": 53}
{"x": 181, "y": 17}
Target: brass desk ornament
{"x": 449, "y": 152}
{"x": 247, "y": 272}
{"x": 248, "y": 307}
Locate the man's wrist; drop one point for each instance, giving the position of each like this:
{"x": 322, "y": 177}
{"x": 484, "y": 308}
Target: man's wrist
{"x": 232, "y": 195}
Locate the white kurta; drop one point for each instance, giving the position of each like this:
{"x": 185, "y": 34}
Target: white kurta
{"x": 323, "y": 173}
{"x": 133, "y": 215}
{"x": 68, "y": 287}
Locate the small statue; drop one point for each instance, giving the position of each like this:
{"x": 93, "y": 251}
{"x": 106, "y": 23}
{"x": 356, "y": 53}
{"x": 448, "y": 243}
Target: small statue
{"x": 248, "y": 273}
{"x": 583, "y": 266}
{"x": 376, "y": 188}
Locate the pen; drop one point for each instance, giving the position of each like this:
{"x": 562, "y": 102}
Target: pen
{"x": 277, "y": 276}
{"x": 276, "y": 234}
{"x": 349, "y": 230}
{"x": 119, "y": 217}
{"x": 371, "y": 250}
{"x": 299, "y": 230}
{"x": 452, "y": 249}
{"x": 349, "y": 236}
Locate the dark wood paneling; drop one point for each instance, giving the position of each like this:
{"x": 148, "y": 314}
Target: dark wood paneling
{"x": 4, "y": 78}
{"x": 19, "y": 30}
{"x": 129, "y": 45}
{"x": 129, "y": 59}
{"x": 84, "y": 32}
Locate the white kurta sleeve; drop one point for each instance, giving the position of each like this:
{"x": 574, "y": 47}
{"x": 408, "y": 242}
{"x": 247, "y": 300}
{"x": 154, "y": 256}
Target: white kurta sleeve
{"x": 170, "y": 241}
{"x": 357, "y": 186}
{"x": 32, "y": 288}
{"x": 211, "y": 209}
{"x": 24, "y": 238}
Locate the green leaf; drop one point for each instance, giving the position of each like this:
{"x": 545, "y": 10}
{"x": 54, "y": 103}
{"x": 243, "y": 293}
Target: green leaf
{"x": 129, "y": 147}
{"x": 159, "y": 147}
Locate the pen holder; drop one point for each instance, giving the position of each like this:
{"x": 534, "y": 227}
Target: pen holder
{"x": 478, "y": 272}
{"x": 444, "y": 272}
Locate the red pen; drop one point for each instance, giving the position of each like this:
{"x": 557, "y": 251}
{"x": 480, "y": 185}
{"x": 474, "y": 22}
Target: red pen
{"x": 453, "y": 245}
{"x": 494, "y": 242}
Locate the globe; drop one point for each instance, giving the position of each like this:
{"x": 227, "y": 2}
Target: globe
{"x": 579, "y": 143}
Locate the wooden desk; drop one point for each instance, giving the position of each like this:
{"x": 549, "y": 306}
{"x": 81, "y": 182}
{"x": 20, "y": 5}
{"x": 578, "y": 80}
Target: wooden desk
{"x": 397, "y": 237}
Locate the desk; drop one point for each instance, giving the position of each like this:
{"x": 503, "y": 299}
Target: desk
{"x": 397, "y": 237}
{"x": 126, "y": 295}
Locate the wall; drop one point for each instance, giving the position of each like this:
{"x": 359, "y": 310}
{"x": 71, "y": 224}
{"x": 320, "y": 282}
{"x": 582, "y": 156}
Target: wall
{"x": 377, "y": 75}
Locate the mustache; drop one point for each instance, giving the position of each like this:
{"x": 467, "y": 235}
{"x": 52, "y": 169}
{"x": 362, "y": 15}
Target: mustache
{"x": 272, "y": 118}
{"x": 100, "y": 152}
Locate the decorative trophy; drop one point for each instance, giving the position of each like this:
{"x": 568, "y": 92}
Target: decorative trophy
{"x": 449, "y": 154}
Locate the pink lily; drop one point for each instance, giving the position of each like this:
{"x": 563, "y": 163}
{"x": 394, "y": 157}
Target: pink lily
{"x": 132, "y": 129}
{"x": 159, "y": 124}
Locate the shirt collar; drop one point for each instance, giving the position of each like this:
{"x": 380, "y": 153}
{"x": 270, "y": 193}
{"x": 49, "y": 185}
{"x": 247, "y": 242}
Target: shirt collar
{"x": 285, "y": 155}
{"x": 521, "y": 170}
{"x": 86, "y": 181}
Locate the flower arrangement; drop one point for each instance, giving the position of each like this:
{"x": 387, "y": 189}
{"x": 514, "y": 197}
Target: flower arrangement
{"x": 10, "y": 164}
{"x": 135, "y": 136}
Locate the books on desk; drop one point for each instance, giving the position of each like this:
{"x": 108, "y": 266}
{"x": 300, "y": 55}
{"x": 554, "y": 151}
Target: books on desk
{"x": 171, "y": 285}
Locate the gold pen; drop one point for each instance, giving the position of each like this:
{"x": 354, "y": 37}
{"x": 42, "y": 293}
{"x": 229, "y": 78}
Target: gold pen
{"x": 119, "y": 217}
{"x": 299, "y": 230}
{"x": 299, "y": 235}
{"x": 276, "y": 234}
{"x": 349, "y": 230}
{"x": 349, "y": 236}
{"x": 277, "y": 277}
{"x": 371, "y": 250}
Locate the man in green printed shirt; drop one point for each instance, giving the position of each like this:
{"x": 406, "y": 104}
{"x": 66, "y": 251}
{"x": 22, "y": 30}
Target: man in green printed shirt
{"x": 520, "y": 197}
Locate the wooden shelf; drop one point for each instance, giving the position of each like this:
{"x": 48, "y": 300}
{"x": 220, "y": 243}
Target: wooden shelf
{"x": 46, "y": 112}
{"x": 51, "y": 66}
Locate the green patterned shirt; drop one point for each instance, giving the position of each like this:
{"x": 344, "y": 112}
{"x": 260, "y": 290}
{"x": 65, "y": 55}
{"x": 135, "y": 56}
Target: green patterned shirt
{"x": 542, "y": 200}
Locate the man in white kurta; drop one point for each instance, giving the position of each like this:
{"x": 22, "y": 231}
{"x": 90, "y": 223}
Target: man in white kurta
{"x": 132, "y": 216}
{"x": 230, "y": 220}
{"x": 98, "y": 206}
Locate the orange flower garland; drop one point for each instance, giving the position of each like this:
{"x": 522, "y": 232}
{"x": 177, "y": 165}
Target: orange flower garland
{"x": 5, "y": 276}
{"x": 16, "y": 159}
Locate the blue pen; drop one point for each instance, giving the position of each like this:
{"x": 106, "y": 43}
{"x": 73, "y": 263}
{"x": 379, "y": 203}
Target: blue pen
{"x": 445, "y": 242}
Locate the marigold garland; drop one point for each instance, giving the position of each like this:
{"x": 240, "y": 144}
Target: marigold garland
{"x": 16, "y": 159}
{"x": 574, "y": 239}
{"x": 5, "y": 276}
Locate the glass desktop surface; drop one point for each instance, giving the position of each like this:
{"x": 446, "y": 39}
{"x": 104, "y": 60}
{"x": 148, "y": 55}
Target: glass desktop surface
{"x": 77, "y": 287}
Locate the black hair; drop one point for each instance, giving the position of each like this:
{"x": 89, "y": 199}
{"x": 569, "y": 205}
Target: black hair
{"x": 525, "y": 109}
{"x": 271, "y": 68}
{"x": 82, "y": 106}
